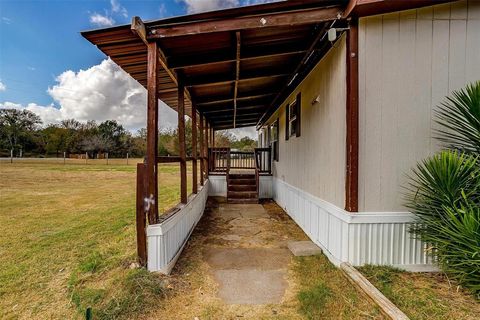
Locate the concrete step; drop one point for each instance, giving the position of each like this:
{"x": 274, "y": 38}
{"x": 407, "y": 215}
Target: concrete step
{"x": 242, "y": 187}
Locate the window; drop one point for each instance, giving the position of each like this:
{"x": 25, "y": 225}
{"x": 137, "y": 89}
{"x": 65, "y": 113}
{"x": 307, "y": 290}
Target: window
{"x": 293, "y": 115}
{"x": 274, "y": 139}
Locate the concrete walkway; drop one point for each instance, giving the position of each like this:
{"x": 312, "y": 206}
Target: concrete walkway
{"x": 247, "y": 254}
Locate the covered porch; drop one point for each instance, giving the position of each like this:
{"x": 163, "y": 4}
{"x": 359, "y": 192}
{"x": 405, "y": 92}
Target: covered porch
{"x": 225, "y": 70}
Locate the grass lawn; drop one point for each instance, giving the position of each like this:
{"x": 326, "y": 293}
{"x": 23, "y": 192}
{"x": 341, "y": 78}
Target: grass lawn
{"x": 423, "y": 295}
{"x": 67, "y": 238}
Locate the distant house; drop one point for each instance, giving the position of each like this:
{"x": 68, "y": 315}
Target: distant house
{"x": 342, "y": 94}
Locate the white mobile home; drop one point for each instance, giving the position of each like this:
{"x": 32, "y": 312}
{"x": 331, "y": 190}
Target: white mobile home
{"x": 342, "y": 94}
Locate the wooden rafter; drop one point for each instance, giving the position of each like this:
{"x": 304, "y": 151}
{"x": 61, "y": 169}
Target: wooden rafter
{"x": 291, "y": 18}
{"x": 237, "y": 76}
{"x": 208, "y": 61}
{"x": 295, "y": 74}
{"x": 218, "y": 100}
{"x": 217, "y": 81}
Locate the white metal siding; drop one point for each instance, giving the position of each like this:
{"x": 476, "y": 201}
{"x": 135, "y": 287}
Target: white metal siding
{"x": 315, "y": 161}
{"x": 166, "y": 240}
{"x": 408, "y": 62}
{"x": 359, "y": 238}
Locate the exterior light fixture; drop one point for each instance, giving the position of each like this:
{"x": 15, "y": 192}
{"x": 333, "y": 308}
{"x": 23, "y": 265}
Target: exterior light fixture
{"x": 332, "y": 33}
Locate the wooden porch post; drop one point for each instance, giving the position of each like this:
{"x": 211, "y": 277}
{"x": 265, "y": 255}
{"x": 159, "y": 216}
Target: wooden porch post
{"x": 213, "y": 137}
{"x": 141, "y": 219}
{"x": 202, "y": 152}
{"x": 194, "y": 149}
{"x": 351, "y": 180}
{"x": 151, "y": 174}
{"x": 181, "y": 142}
{"x": 207, "y": 145}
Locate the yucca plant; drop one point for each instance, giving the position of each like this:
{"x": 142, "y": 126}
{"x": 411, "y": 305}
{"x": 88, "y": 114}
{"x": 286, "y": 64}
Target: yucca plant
{"x": 444, "y": 190}
{"x": 459, "y": 117}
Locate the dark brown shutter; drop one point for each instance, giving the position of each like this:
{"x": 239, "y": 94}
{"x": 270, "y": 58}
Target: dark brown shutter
{"x": 287, "y": 122}
{"x": 298, "y": 113}
{"x": 277, "y": 142}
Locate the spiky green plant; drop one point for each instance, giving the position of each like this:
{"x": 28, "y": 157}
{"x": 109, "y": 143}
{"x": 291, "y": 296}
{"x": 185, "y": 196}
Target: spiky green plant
{"x": 444, "y": 190}
{"x": 459, "y": 117}
{"x": 444, "y": 195}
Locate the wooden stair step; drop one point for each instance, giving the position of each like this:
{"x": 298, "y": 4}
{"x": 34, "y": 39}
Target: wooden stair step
{"x": 242, "y": 194}
{"x": 243, "y": 187}
{"x": 242, "y": 182}
{"x": 241, "y": 176}
{"x": 242, "y": 201}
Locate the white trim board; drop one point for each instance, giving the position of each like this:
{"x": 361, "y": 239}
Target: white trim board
{"x": 166, "y": 240}
{"x": 380, "y": 238}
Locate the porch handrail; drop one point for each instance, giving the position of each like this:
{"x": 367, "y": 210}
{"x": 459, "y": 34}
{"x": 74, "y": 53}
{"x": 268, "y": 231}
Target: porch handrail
{"x": 223, "y": 160}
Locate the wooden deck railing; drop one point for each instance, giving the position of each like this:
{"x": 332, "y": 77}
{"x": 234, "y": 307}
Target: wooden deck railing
{"x": 220, "y": 160}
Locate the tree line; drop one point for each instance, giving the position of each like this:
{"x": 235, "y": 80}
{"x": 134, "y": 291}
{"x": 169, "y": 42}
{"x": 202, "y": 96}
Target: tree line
{"x": 23, "y": 132}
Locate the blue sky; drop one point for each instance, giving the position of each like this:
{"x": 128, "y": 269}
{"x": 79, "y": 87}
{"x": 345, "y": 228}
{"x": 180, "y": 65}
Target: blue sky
{"x": 46, "y": 66}
{"x": 40, "y": 39}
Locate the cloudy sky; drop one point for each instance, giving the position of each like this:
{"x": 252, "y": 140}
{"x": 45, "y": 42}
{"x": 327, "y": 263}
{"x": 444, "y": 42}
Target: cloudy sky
{"x": 48, "y": 68}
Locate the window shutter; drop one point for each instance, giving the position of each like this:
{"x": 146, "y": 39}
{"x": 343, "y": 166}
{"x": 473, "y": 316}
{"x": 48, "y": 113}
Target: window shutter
{"x": 298, "y": 113}
{"x": 287, "y": 122}
{"x": 277, "y": 142}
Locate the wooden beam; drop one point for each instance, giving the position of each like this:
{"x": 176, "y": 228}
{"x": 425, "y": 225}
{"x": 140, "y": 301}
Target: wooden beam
{"x": 227, "y": 79}
{"x": 352, "y": 114}
{"x": 151, "y": 199}
{"x": 202, "y": 152}
{"x": 138, "y": 27}
{"x": 205, "y": 128}
{"x": 181, "y": 143}
{"x": 242, "y": 125}
{"x": 214, "y": 111}
{"x": 292, "y": 18}
{"x": 225, "y": 99}
{"x": 194, "y": 150}
{"x": 237, "y": 76}
{"x": 141, "y": 221}
{"x": 207, "y": 61}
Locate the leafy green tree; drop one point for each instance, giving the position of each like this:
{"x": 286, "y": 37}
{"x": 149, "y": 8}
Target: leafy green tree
{"x": 16, "y": 126}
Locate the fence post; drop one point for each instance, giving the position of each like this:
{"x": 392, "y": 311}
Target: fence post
{"x": 11, "y": 155}
{"x": 86, "y": 157}
{"x": 141, "y": 218}
{"x": 127, "y": 158}
{"x": 107, "y": 158}
{"x": 64, "y": 156}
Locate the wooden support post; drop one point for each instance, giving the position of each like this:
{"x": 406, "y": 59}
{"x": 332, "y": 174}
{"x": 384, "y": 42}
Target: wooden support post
{"x": 202, "y": 152}
{"x": 207, "y": 145}
{"x": 181, "y": 142}
{"x": 213, "y": 138}
{"x": 194, "y": 150}
{"x": 151, "y": 174}
{"x": 351, "y": 180}
{"x": 141, "y": 220}
{"x": 205, "y": 135}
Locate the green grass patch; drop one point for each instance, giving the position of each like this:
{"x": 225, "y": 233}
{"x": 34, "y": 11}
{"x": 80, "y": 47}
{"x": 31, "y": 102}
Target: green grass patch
{"x": 325, "y": 293}
{"x": 423, "y": 295}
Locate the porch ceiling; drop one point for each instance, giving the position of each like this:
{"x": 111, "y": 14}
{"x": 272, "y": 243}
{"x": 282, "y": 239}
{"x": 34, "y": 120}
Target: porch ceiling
{"x": 233, "y": 76}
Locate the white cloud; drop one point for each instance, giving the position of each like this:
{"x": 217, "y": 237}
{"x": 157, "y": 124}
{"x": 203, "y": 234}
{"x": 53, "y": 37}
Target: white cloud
{"x": 118, "y": 8}
{"x": 244, "y": 132}
{"x": 3, "y": 87}
{"x": 6, "y": 20}
{"x": 162, "y": 10}
{"x": 194, "y": 6}
{"x": 100, "y": 93}
{"x": 100, "y": 20}
{"x": 31, "y": 68}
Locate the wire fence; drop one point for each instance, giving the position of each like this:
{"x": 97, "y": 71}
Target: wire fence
{"x": 73, "y": 161}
